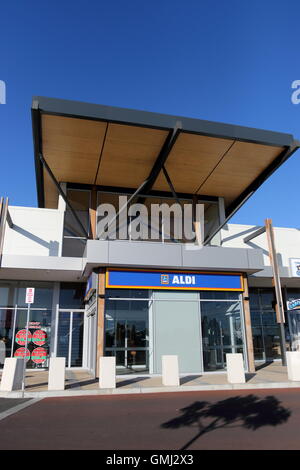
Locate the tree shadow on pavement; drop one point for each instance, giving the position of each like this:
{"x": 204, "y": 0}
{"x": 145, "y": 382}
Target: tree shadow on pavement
{"x": 249, "y": 412}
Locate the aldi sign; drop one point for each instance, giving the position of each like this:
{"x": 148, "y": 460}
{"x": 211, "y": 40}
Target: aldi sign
{"x": 185, "y": 280}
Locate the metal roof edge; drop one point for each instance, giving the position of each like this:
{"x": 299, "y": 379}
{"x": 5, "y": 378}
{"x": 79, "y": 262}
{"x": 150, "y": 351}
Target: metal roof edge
{"x": 78, "y": 109}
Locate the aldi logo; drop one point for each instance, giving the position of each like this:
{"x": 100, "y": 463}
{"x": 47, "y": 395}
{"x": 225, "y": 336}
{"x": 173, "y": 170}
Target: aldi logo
{"x": 164, "y": 279}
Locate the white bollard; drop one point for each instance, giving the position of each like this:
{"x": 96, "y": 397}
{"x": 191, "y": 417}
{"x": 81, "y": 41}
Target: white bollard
{"x": 235, "y": 368}
{"x": 293, "y": 365}
{"x": 57, "y": 371}
{"x": 107, "y": 372}
{"x": 170, "y": 371}
{"x": 12, "y": 374}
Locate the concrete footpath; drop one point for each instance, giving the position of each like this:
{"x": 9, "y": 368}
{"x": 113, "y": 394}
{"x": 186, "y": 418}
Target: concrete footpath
{"x": 81, "y": 383}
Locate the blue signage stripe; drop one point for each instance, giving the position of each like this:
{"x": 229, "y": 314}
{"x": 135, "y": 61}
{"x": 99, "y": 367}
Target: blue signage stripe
{"x": 173, "y": 280}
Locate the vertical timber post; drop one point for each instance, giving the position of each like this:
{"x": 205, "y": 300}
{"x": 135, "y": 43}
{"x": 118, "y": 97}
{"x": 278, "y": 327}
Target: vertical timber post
{"x": 277, "y": 285}
{"x": 248, "y": 327}
{"x": 93, "y": 214}
{"x": 100, "y": 319}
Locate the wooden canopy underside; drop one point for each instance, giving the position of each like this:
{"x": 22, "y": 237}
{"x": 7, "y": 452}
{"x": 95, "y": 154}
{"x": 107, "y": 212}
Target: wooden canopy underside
{"x": 122, "y": 155}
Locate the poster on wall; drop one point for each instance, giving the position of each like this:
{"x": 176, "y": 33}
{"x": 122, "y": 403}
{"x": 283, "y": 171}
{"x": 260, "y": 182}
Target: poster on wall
{"x": 36, "y": 355}
{"x": 293, "y": 305}
{"x": 295, "y": 267}
{"x": 39, "y": 337}
{"x": 39, "y": 355}
{"x": 21, "y": 337}
{"x": 21, "y": 352}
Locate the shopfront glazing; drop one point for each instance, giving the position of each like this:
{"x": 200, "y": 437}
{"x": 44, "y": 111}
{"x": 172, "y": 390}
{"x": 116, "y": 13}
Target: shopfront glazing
{"x": 54, "y": 328}
{"x": 13, "y": 319}
{"x": 265, "y": 329}
{"x": 200, "y": 327}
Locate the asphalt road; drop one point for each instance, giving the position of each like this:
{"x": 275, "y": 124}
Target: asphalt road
{"x": 258, "y": 419}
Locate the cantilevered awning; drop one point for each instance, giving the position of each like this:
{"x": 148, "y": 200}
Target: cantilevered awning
{"x": 120, "y": 148}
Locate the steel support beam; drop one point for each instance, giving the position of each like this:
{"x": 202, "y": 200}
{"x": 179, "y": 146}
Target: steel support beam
{"x": 235, "y": 206}
{"x": 285, "y": 154}
{"x": 161, "y": 159}
{"x": 147, "y": 185}
{"x": 175, "y": 196}
{"x": 48, "y": 169}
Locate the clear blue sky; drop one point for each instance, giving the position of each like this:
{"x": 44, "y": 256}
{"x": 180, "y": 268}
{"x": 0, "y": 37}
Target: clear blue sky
{"x": 228, "y": 61}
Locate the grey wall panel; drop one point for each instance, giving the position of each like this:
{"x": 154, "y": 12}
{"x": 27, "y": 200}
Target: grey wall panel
{"x": 43, "y": 262}
{"x": 171, "y": 255}
{"x": 255, "y": 258}
{"x": 215, "y": 257}
{"x": 97, "y": 252}
{"x": 177, "y": 330}
{"x": 144, "y": 254}
{"x": 267, "y": 272}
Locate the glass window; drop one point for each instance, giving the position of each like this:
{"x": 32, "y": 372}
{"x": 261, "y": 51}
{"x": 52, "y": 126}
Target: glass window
{"x": 74, "y": 237}
{"x": 14, "y": 292}
{"x": 70, "y": 337}
{"x": 71, "y": 295}
{"x": 8, "y": 294}
{"x": 77, "y": 339}
{"x": 63, "y": 335}
{"x": 6, "y": 333}
{"x": 265, "y": 329}
{"x": 127, "y": 293}
{"x": 293, "y": 294}
{"x": 219, "y": 295}
{"x": 42, "y": 295}
{"x": 151, "y": 224}
{"x": 258, "y": 343}
{"x": 267, "y": 298}
{"x": 221, "y": 332}
{"x": 254, "y": 298}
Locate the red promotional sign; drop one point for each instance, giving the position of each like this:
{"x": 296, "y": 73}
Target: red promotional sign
{"x": 39, "y": 337}
{"x": 21, "y": 337}
{"x": 20, "y": 352}
{"x": 39, "y": 355}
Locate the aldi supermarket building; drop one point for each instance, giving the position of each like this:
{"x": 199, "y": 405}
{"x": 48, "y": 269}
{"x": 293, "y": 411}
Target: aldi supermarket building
{"x": 101, "y": 293}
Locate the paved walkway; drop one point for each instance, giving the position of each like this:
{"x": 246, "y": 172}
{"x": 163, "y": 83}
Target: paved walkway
{"x": 82, "y": 383}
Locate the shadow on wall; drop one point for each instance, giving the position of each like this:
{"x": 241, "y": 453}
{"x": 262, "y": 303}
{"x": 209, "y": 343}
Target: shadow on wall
{"x": 250, "y": 412}
{"x": 53, "y": 246}
{"x": 250, "y": 244}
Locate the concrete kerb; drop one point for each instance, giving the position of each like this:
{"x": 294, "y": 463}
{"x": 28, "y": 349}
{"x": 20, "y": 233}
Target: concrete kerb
{"x": 147, "y": 390}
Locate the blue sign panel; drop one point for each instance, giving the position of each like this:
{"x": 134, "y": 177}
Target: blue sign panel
{"x": 185, "y": 280}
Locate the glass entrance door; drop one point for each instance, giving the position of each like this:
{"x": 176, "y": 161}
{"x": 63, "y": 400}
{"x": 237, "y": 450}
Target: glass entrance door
{"x": 126, "y": 334}
{"x": 222, "y": 332}
{"x": 70, "y": 336}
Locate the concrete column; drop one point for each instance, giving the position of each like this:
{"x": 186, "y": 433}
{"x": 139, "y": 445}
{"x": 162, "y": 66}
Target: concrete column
{"x": 57, "y": 371}
{"x": 107, "y": 372}
{"x": 235, "y": 368}
{"x": 293, "y": 365}
{"x": 61, "y": 202}
{"x": 12, "y": 374}
{"x": 170, "y": 371}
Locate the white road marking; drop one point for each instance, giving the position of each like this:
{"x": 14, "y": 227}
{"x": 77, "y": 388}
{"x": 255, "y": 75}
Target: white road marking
{"x": 16, "y": 409}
